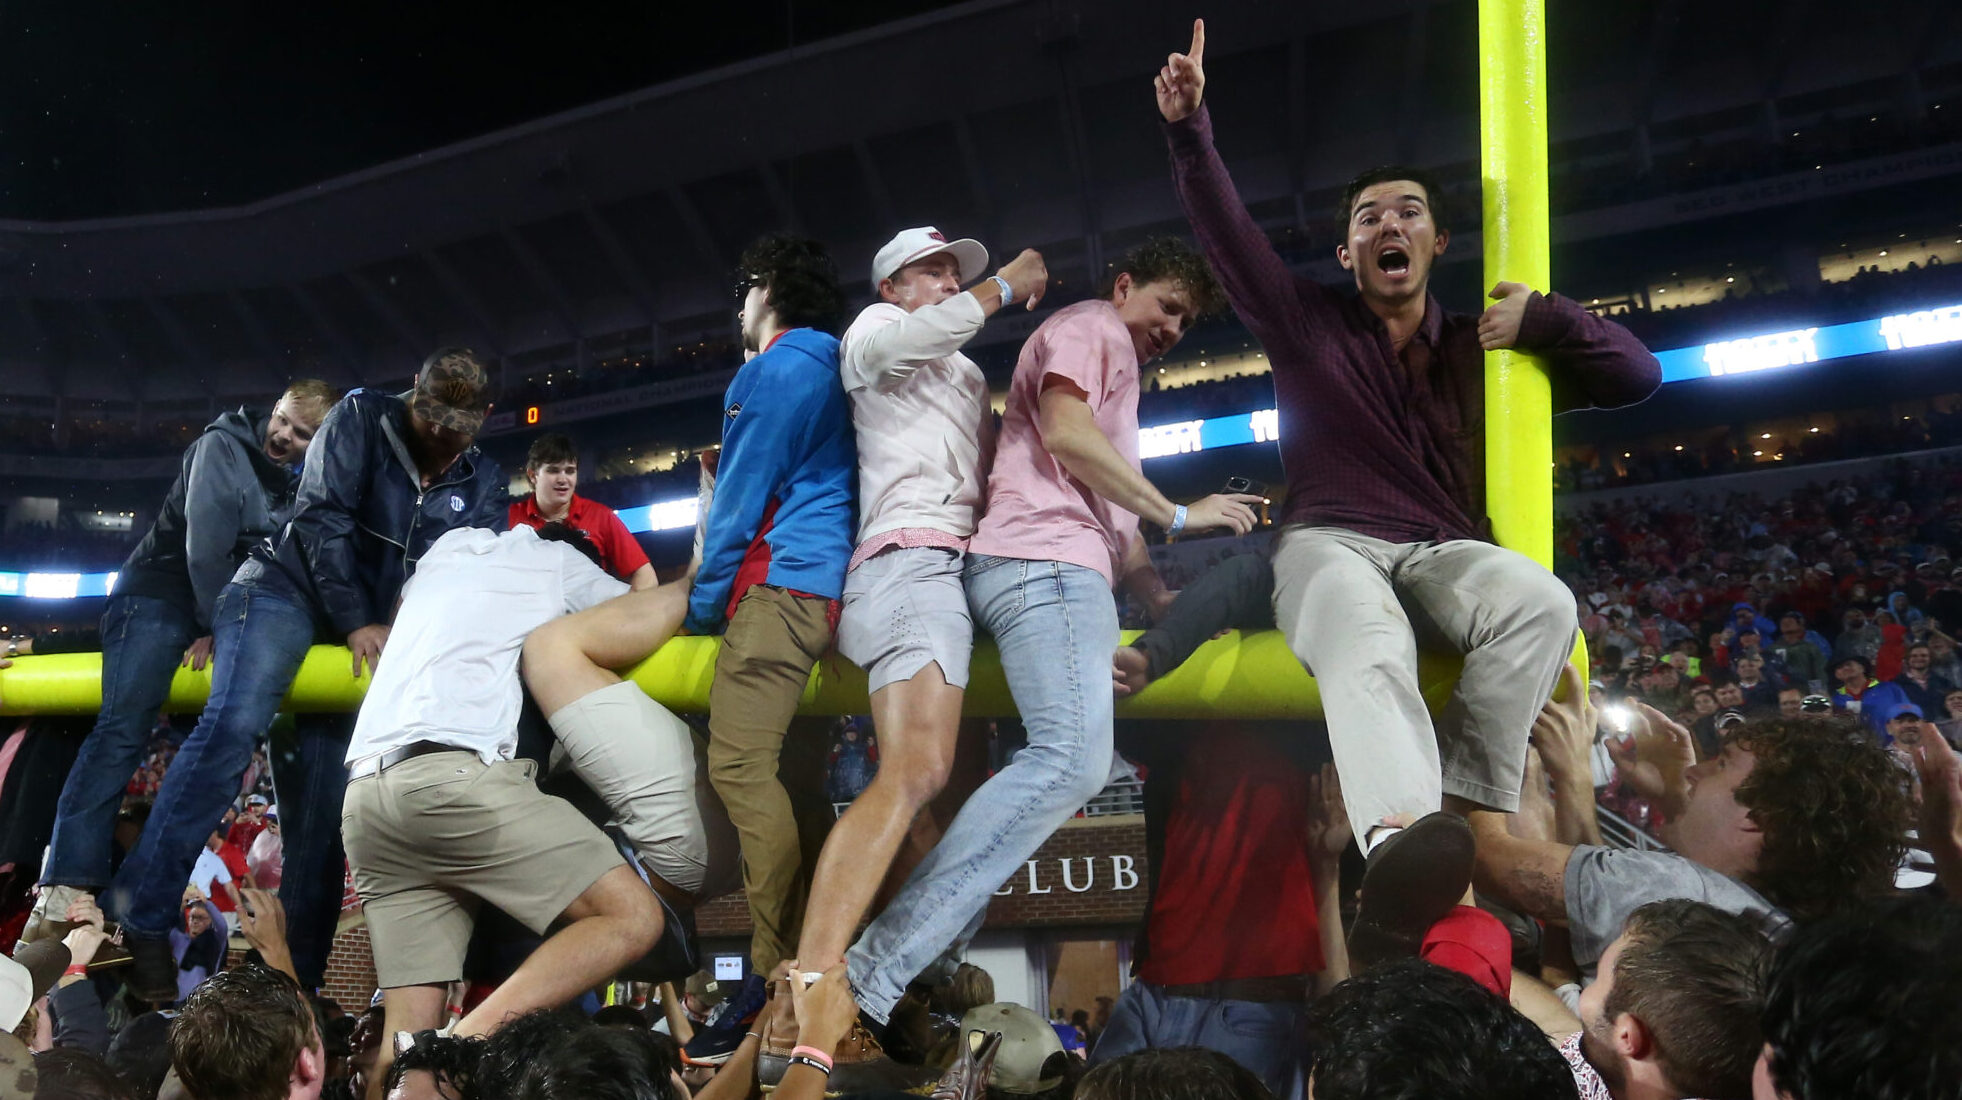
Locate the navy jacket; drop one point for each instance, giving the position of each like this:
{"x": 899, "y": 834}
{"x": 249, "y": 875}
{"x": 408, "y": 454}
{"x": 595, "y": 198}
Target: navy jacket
{"x": 362, "y": 519}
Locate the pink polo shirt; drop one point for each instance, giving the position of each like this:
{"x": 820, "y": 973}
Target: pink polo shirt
{"x": 1036, "y": 511}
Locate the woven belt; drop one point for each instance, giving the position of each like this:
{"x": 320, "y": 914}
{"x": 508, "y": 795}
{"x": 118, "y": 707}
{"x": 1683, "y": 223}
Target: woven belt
{"x": 375, "y": 765}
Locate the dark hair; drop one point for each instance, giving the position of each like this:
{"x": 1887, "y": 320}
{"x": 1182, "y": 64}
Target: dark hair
{"x": 1171, "y": 260}
{"x": 801, "y": 278}
{"x": 515, "y": 1053}
{"x": 556, "y": 531}
{"x": 1694, "y": 975}
{"x": 1433, "y": 194}
{"x": 605, "y": 1063}
{"x": 450, "y": 1058}
{"x": 550, "y": 447}
{"x": 1863, "y": 1004}
{"x": 1172, "y": 1073}
{"x": 1833, "y": 806}
{"x": 1408, "y": 1028}
{"x": 239, "y": 1034}
{"x": 70, "y": 1073}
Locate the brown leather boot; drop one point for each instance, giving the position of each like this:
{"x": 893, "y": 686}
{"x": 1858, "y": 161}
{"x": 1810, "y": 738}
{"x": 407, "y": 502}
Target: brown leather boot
{"x": 779, "y": 1037}
{"x": 860, "y": 1064}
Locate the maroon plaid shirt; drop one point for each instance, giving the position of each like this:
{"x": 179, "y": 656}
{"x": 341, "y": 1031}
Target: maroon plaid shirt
{"x": 1386, "y": 445}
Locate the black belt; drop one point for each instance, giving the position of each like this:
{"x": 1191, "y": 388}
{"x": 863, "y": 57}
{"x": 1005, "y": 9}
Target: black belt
{"x": 374, "y": 765}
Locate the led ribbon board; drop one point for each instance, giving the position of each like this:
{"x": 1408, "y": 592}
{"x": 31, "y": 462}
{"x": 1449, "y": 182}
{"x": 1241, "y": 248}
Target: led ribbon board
{"x": 1795, "y": 347}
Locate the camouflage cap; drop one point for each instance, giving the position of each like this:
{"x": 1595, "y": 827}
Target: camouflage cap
{"x": 452, "y": 390}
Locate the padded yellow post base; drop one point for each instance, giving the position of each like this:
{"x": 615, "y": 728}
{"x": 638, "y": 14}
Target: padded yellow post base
{"x": 1245, "y": 676}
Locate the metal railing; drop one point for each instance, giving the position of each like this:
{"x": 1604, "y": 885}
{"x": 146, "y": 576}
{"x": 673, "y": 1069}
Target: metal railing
{"x": 1619, "y": 832}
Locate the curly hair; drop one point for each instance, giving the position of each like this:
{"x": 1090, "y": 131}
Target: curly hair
{"x": 801, "y": 278}
{"x": 1833, "y": 806}
{"x": 1169, "y": 259}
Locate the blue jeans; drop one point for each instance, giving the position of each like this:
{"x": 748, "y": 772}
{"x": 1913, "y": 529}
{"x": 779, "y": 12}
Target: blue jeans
{"x": 309, "y": 766}
{"x": 259, "y": 637}
{"x": 1056, "y": 627}
{"x": 1264, "y": 1037}
{"x": 143, "y": 643}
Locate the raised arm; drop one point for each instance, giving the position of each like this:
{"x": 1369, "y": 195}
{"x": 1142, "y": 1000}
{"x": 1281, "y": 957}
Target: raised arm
{"x": 896, "y": 343}
{"x": 1527, "y": 876}
{"x": 1257, "y": 281}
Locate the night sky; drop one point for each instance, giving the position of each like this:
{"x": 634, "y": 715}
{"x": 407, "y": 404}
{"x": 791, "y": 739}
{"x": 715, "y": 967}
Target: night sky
{"x": 137, "y": 107}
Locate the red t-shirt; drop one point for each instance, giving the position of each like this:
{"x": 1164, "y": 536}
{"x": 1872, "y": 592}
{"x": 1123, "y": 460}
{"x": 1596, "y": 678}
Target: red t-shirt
{"x": 1234, "y": 896}
{"x": 243, "y": 832}
{"x": 235, "y": 865}
{"x": 620, "y": 553}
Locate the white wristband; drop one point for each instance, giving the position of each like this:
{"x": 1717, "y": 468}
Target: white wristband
{"x": 1178, "y": 521}
{"x": 1007, "y": 292}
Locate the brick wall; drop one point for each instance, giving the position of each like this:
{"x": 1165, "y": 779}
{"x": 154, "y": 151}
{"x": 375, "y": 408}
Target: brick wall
{"x": 351, "y": 969}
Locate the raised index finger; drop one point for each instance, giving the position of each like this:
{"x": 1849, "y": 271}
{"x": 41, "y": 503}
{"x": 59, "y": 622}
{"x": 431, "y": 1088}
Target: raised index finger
{"x": 1198, "y": 50}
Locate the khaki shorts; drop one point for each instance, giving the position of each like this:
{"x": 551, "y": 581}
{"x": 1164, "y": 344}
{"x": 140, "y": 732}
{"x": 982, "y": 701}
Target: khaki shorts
{"x": 433, "y": 836}
{"x": 648, "y": 767}
{"x": 903, "y": 610}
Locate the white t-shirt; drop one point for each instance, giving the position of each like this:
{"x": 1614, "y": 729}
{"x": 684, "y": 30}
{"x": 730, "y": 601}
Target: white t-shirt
{"x": 209, "y": 873}
{"x": 449, "y": 672}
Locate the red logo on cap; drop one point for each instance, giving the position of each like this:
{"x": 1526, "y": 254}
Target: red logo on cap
{"x": 937, "y": 235}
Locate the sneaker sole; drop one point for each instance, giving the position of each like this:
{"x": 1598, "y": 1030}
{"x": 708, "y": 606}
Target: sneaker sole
{"x": 1410, "y": 888}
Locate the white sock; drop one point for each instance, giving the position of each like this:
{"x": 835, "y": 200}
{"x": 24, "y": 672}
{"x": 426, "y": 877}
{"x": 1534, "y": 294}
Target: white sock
{"x": 1380, "y": 834}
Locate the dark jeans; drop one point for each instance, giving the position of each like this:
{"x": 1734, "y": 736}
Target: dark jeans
{"x": 1264, "y": 1038}
{"x": 143, "y": 643}
{"x": 259, "y": 638}
{"x": 309, "y": 764}
{"x": 1238, "y": 593}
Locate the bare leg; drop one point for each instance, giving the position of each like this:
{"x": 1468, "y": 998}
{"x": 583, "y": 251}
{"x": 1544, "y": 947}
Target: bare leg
{"x": 569, "y": 658}
{"x": 918, "y": 721}
{"x": 404, "y": 1008}
{"x": 613, "y": 923}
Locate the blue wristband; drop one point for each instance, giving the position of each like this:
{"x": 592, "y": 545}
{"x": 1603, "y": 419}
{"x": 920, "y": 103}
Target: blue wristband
{"x": 1007, "y": 292}
{"x": 1178, "y": 521}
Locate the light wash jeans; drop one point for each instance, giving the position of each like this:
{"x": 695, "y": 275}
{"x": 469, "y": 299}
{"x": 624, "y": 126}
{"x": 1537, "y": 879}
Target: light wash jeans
{"x": 1264, "y": 1037}
{"x": 1056, "y": 627}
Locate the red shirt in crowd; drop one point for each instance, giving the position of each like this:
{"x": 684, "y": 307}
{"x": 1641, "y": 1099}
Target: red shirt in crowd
{"x": 234, "y": 858}
{"x": 1234, "y": 896}
{"x": 242, "y": 833}
{"x": 620, "y": 553}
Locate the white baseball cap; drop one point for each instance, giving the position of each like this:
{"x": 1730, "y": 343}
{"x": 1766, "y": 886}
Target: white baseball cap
{"x": 917, "y": 244}
{"x": 33, "y": 970}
